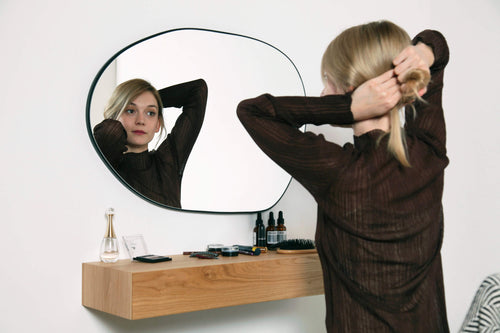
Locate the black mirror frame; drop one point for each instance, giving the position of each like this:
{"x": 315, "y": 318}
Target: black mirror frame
{"x": 96, "y": 147}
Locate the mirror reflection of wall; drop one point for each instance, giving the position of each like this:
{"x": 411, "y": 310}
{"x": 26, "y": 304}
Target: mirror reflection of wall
{"x": 226, "y": 172}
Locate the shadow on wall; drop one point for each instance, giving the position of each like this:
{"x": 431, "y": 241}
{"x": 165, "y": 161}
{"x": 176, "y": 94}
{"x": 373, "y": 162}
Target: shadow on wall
{"x": 293, "y": 316}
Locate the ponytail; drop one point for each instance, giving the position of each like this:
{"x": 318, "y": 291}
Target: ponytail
{"x": 414, "y": 81}
{"x": 366, "y": 51}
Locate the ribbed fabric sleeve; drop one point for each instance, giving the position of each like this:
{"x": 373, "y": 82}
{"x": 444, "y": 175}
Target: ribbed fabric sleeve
{"x": 274, "y": 122}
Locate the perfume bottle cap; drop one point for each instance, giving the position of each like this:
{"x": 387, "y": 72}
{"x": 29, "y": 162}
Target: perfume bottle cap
{"x": 110, "y": 231}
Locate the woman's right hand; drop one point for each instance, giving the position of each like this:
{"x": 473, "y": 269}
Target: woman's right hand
{"x": 375, "y": 97}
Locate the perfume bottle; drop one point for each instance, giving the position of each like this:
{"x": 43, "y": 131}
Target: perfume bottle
{"x": 109, "y": 245}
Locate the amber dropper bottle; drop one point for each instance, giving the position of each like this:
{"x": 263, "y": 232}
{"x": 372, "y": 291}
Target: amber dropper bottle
{"x": 281, "y": 229}
{"x": 271, "y": 233}
{"x": 109, "y": 244}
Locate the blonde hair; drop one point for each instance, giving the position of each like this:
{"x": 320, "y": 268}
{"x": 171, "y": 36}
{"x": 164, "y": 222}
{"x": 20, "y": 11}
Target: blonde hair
{"x": 125, "y": 93}
{"x": 365, "y": 51}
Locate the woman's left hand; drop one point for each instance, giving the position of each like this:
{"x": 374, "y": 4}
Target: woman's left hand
{"x": 418, "y": 56}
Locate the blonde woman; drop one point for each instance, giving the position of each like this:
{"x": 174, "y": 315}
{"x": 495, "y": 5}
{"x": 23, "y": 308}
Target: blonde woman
{"x": 133, "y": 116}
{"x": 380, "y": 222}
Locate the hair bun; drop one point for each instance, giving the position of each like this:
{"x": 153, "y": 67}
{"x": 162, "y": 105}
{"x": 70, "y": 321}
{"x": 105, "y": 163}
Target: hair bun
{"x": 414, "y": 81}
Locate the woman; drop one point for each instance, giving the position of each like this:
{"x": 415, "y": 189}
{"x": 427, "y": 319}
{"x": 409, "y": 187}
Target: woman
{"x": 380, "y": 222}
{"x": 133, "y": 115}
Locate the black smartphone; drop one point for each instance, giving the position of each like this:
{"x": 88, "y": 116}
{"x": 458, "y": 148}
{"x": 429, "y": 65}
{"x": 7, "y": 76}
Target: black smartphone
{"x": 152, "y": 258}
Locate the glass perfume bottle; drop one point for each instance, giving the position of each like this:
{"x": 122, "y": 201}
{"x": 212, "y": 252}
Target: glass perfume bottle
{"x": 109, "y": 245}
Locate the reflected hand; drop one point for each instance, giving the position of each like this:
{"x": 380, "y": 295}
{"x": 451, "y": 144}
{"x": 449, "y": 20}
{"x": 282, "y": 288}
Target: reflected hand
{"x": 375, "y": 97}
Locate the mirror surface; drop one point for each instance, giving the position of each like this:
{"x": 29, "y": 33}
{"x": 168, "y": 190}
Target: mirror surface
{"x": 226, "y": 171}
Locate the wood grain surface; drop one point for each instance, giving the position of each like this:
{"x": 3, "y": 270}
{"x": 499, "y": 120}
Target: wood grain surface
{"x": 135, "y": 290}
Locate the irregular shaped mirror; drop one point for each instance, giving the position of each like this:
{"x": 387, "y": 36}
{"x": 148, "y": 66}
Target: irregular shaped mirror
{"x": 225, "y": 172}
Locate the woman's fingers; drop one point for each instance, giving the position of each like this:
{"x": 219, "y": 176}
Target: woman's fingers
{"x": 375, "y": 97}
{"x": 402, "y": 56}
{"x": 410, "y": 58}
{"x": 382, "y": 78}
{"x": 390, "y": 94}
{"x": 422, "y": 91}
{"x": 389, "y": 88}
{"x": 391, "y": 83}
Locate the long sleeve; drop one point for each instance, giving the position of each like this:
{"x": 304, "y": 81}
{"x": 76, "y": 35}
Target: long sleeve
{"x": 429, "y": 121}
{"x": 192, "y": 98}
{"x": 111, "y": 139}
{"x": 273, "y": 123}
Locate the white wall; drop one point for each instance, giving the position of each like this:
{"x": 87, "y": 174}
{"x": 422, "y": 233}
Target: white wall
{"x": 54, "y": 189}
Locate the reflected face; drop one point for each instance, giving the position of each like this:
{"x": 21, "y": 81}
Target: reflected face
{"x": 141, "y": 122}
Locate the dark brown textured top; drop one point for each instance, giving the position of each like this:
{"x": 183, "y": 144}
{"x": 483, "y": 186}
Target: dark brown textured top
{"x": 380, "y": 225}
{"x": 158, "y": 174}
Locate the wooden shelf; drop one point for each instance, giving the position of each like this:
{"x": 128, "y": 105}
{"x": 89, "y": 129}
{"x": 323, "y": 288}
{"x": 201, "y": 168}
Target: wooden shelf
{"x": 135, "y": 290}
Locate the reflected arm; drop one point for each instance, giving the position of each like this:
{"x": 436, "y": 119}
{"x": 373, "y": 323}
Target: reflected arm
{"x": 111, "y": 138}
{"x": 192, "y": 98}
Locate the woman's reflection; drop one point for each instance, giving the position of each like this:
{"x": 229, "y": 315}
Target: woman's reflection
{"x": 133, "y": 115}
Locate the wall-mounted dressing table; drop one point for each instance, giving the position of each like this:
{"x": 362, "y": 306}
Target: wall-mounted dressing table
{"x": 135, "y": 290}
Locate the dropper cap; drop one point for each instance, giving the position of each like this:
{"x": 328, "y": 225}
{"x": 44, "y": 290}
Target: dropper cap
{"x": 270, "y": 221}
{"x": 281, "y": 220}
{"x": 259, "y": 219}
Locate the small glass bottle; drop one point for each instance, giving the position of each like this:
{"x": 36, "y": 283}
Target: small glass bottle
{"x": 271, "y": 233}
{"x": 281, "y": 227}
{"x": 259, "y": 232}
{"x": 109, "y": 244}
